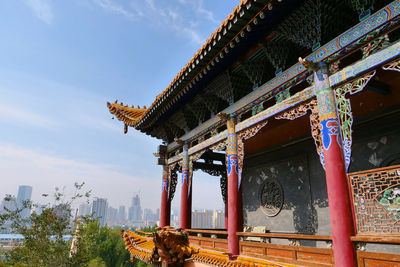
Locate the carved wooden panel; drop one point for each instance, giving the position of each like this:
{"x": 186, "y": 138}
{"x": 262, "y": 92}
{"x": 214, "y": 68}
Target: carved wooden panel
{"x": 217, "y": 244}
{"x": 376, "y": 200}
{"x": 372, "y": 259}
{"x": 296, "y": 255}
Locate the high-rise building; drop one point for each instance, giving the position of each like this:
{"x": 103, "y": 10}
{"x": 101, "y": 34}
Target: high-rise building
{"x": 157, "y": 214}
{"x": 39, "y": 209}
{"x": 84, "y": 209}
{"x": 148, "y": 215}
{"x": 174, "y": 220}
{"x": 63, "y": 211}
{"x": 8, "y": 204}
{"x": 112, "y": 214}
{"x": 135, "y": 211}
{"x": 219, "y": 219}
{"x": 24, "y": 194}
{"x": 121, "y": 214}
{"x": 99, "y": 210}
{"x": 202, "y": 219}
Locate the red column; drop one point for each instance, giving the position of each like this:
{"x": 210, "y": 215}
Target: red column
{"x": 240, "y": 208}
{"x": 232, "y": 171}
{"x": 189, "y": 208}
{"x": 185, "y": 194}
{"x": 165, "y": 205}
{"x": 339, "y": 203}
{"x": 226, "y": 214}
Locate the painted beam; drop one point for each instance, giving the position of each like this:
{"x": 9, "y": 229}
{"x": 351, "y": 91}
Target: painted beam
{"x": 375, "y": 21}
{"x": 336, "y": 79}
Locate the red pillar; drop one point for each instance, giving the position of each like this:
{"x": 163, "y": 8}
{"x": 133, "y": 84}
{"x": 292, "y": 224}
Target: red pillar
{"x": 240, "y": 208}
{"x": 189, "y": 208}
{"x": 186, "y": 198}
{"x": 232, "y": 171}
{"x": 342, "y": 226}
{"x": 165, "y": 212}
{"x": 226, "y": 214}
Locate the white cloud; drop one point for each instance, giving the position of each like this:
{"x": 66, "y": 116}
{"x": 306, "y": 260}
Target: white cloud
{"x": 41, "y": 9}
{"x": 182, "y": 20}
{"x": 193, "y": 35}
{"x": 198, "y": 7}
{"x": 21, "y": 115}
{"x": 113, "y": 7}
{"x": 151, "y": 4}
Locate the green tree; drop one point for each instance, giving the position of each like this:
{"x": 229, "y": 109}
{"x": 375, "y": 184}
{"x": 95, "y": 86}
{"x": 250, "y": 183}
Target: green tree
{"x": 44, "y": 231}
{"x": 111, "y": 248}
{"x": 44, "y": 244}
{"x": 97, "y": 262}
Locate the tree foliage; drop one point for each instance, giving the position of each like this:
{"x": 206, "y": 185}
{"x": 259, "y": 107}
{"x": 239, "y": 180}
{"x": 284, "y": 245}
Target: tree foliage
{"x": 44, "y": 235}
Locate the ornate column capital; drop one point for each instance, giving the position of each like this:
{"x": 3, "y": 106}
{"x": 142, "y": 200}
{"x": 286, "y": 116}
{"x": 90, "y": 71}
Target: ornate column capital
{"x": 230, "y": 121}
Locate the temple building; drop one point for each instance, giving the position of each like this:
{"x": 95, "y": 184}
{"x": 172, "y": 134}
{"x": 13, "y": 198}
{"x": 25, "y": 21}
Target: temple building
{"x": 295, "y": 106}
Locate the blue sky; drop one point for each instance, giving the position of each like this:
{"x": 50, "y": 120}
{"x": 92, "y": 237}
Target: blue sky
{"x": 60, "y": 61}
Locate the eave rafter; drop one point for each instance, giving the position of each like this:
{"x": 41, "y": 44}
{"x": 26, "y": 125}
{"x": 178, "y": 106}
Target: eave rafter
{"x": 255, "y": 70}
{"x": 175, "y": 129}
{"x": 279, "y": 52}
{"x": 241, "y": 84}
{"x": 213, "y": 102}
{"x": 222, "y": 87}
{"x": 200, "y": 110}
{"x": 316, "y": 22}
{"x": 190, "y": 119}
{"x": 168, "y": 135}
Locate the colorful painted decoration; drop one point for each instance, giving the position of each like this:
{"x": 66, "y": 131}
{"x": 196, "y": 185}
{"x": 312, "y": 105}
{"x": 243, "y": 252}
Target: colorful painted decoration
{"x": 390, "y": 201}
{"x": 164, "y": 185}
{"x": 301, "y": 110}
{"x": 345, "y": 115}
{"x": 376, "y": 199}
{"x": 395, "y": 65}
{"x": 330, "y": 131}
{"x": 232, "y": 164}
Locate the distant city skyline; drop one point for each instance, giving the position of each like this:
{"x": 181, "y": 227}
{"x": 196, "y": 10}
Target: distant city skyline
{"x": 57, "y": 73}
{"x": 134, "y": 215}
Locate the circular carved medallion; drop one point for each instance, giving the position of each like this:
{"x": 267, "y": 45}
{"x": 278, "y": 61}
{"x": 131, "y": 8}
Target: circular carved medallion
{"x": 271, "y": 197}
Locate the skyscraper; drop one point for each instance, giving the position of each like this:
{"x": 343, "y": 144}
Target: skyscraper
{"x": 157, "y": 214}
{"x": 202, "y": 219}
{"x": 84, "y": 209}
{"x": 9, "y": 204}
{"x": 135, "y": 211}
{"x": 149, "y": 215}
{"x": 121, "y": 214}
{"x": 24, "y": 194}
{"x": 219, "y": 219}
{"x": 99, "y": 210}
{"x": 112, "y": 215}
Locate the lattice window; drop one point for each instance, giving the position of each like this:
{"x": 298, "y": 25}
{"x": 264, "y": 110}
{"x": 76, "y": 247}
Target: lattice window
{"x": 376, "y": 200}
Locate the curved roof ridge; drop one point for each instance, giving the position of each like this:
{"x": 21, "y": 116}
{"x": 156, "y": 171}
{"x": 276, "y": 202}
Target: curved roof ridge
{"x": 134, "y": 121}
